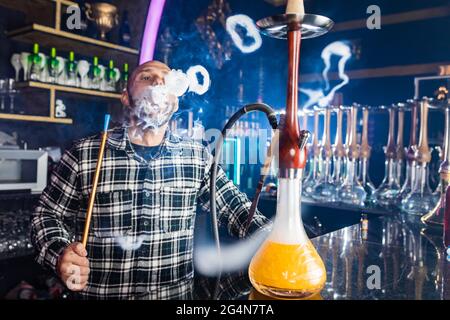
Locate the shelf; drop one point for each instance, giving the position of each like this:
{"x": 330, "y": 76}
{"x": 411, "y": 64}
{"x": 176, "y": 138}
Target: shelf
{"x": 67, "y": 41}
{"x": 60, "y": 88}
{"x": 22, "y": 117}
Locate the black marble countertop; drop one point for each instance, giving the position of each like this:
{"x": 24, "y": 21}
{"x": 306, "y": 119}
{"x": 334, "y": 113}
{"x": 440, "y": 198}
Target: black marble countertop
{"x": 409, "y": 260}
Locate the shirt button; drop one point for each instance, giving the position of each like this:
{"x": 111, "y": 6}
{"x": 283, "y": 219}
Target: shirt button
{"x": 146, "y": 223}
{"x": 147, "y": 194}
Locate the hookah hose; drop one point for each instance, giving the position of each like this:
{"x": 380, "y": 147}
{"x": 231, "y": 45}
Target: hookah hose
{"x": 271, "y": 116}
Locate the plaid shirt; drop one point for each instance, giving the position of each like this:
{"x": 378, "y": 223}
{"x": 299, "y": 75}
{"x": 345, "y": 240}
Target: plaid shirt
{"x": 148, "y": 203}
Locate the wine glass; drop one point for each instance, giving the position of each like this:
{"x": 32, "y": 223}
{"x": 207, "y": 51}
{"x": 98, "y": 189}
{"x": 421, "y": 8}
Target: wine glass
{"x": 82, "y": 70}
{"x": 25, "y": 65}
{"x": 12, "y": 92}
{"x": 15, "y": 62}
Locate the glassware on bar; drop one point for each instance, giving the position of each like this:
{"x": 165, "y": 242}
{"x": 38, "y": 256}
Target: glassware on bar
{"x": 24, "y": 56}
{"x": 410, "y": 153}
{"x": 324, "y": 190}
{"x": 352, "y": 192}
{"x": 420, "y": 200}
{"x": 435, "y": 217}
{"x": 387, "y": 192}
{"x": 83, "y": 70}
{"x": 310, "y": 181}
{"x": 338, "y": 153}
{"x": 364, "y": 160}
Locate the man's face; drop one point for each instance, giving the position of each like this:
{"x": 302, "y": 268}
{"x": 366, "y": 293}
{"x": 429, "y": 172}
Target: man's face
{"x": 139, "y": 94}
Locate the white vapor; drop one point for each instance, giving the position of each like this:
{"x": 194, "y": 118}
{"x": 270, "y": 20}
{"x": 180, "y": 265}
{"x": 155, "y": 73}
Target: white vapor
{"x": 250, "y": 28}
{"x": 194, "y": 85}
{"x": 232, "y": 257}
{"x": 342, "y": 50}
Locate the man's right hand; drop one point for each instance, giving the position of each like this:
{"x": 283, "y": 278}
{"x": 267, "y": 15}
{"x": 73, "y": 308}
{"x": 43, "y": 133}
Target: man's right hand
{"x": 73, "y": 267}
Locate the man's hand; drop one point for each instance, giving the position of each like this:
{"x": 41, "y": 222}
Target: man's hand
{"x": 73, "y": 267}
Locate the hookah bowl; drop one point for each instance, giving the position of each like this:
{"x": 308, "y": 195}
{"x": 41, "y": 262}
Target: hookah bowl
{"x": 287, "y": 265}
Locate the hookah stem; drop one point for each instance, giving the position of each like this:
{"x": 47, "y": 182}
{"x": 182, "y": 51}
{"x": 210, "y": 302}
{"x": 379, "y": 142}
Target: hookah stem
{"x": 400, "y": 150}
{"x": 390, "y": 148}
{"x": 423, "y": 150}
{"x": 365, "y": 148}
{"x": 291, "y": 157}
{"x": 95, "y": 183}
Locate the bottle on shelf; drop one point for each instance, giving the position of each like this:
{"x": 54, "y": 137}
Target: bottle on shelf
{"x": 124, "y": 77}
{"x": 35, "y": 64}
{"x": 111, "y": 76}
{"x": 52, "y": 67}
{"x": 95, "y": 74}
{"x": 71, "y": 72}
{"x": 124, "y": 31}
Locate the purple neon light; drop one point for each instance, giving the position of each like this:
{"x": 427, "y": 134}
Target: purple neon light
{"x": 154, "y": 14}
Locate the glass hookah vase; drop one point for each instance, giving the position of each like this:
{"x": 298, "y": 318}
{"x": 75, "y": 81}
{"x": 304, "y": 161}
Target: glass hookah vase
{"x": 287, "y": 265}
{"x": 436, "y": 216}
{"x": 325, "y": 190}
{"x": 420, "y": 200}
{"x": 351, "y": 192}
{"x": 386, "y": 194}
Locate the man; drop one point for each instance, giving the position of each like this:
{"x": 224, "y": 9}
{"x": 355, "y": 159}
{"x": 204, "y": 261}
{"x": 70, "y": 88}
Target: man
{"x": 141, "y": 238}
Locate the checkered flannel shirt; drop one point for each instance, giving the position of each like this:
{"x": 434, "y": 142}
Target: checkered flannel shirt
{"x": 150, "y": 201}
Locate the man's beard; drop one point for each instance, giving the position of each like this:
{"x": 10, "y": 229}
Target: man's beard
{"x": 152, "y": 109}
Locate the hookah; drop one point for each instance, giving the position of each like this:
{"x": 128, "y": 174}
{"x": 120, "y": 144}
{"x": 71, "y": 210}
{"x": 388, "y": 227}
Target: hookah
{"x": 310, "y": 182}
{"x": 399, "y": 148}
{"x": 436, "y": 216}
{"x": 325, "y": 191}
{"x": 420, "y": 200}
{"x": 364, "y": 177}
{"x": 351, "y": 192}
{"x": 410, "y": 154}
{"x": 387, "y": 192}
{"x": 338, "y": 152}
{"x": 287, "y": 265}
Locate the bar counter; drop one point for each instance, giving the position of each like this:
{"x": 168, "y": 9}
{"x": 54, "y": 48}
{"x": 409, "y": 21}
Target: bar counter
{"x": 411, "y": 263}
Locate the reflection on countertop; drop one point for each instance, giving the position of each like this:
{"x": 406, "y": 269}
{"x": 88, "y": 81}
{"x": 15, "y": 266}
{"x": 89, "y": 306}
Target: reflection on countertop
{"x": 395, "y": 259}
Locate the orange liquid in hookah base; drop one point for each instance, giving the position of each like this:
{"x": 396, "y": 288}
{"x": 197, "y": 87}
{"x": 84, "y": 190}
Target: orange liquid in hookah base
{"x": 287, "y": 270}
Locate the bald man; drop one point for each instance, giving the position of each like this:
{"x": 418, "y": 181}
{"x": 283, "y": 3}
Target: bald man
{"x": 151, "y": 181}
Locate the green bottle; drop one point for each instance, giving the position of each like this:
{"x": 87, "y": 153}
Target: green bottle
{"x": 111, "y": 75}
{"x": 35, "y": 64}
{"x": 71, "y": 67}
{"x": 53, "y": 67}
{"x": 95, "y": 74}
{"x": 124, "y": 78}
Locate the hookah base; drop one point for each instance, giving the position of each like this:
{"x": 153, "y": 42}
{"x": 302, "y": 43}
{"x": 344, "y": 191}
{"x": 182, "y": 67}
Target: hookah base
{"x": 286, "y": 294}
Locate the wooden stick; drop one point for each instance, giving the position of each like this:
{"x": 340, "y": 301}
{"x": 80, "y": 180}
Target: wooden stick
{"x": 95, "y": 183}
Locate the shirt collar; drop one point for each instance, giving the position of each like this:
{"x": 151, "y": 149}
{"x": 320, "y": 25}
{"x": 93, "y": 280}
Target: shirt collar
{"x": 118, "y": 139}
